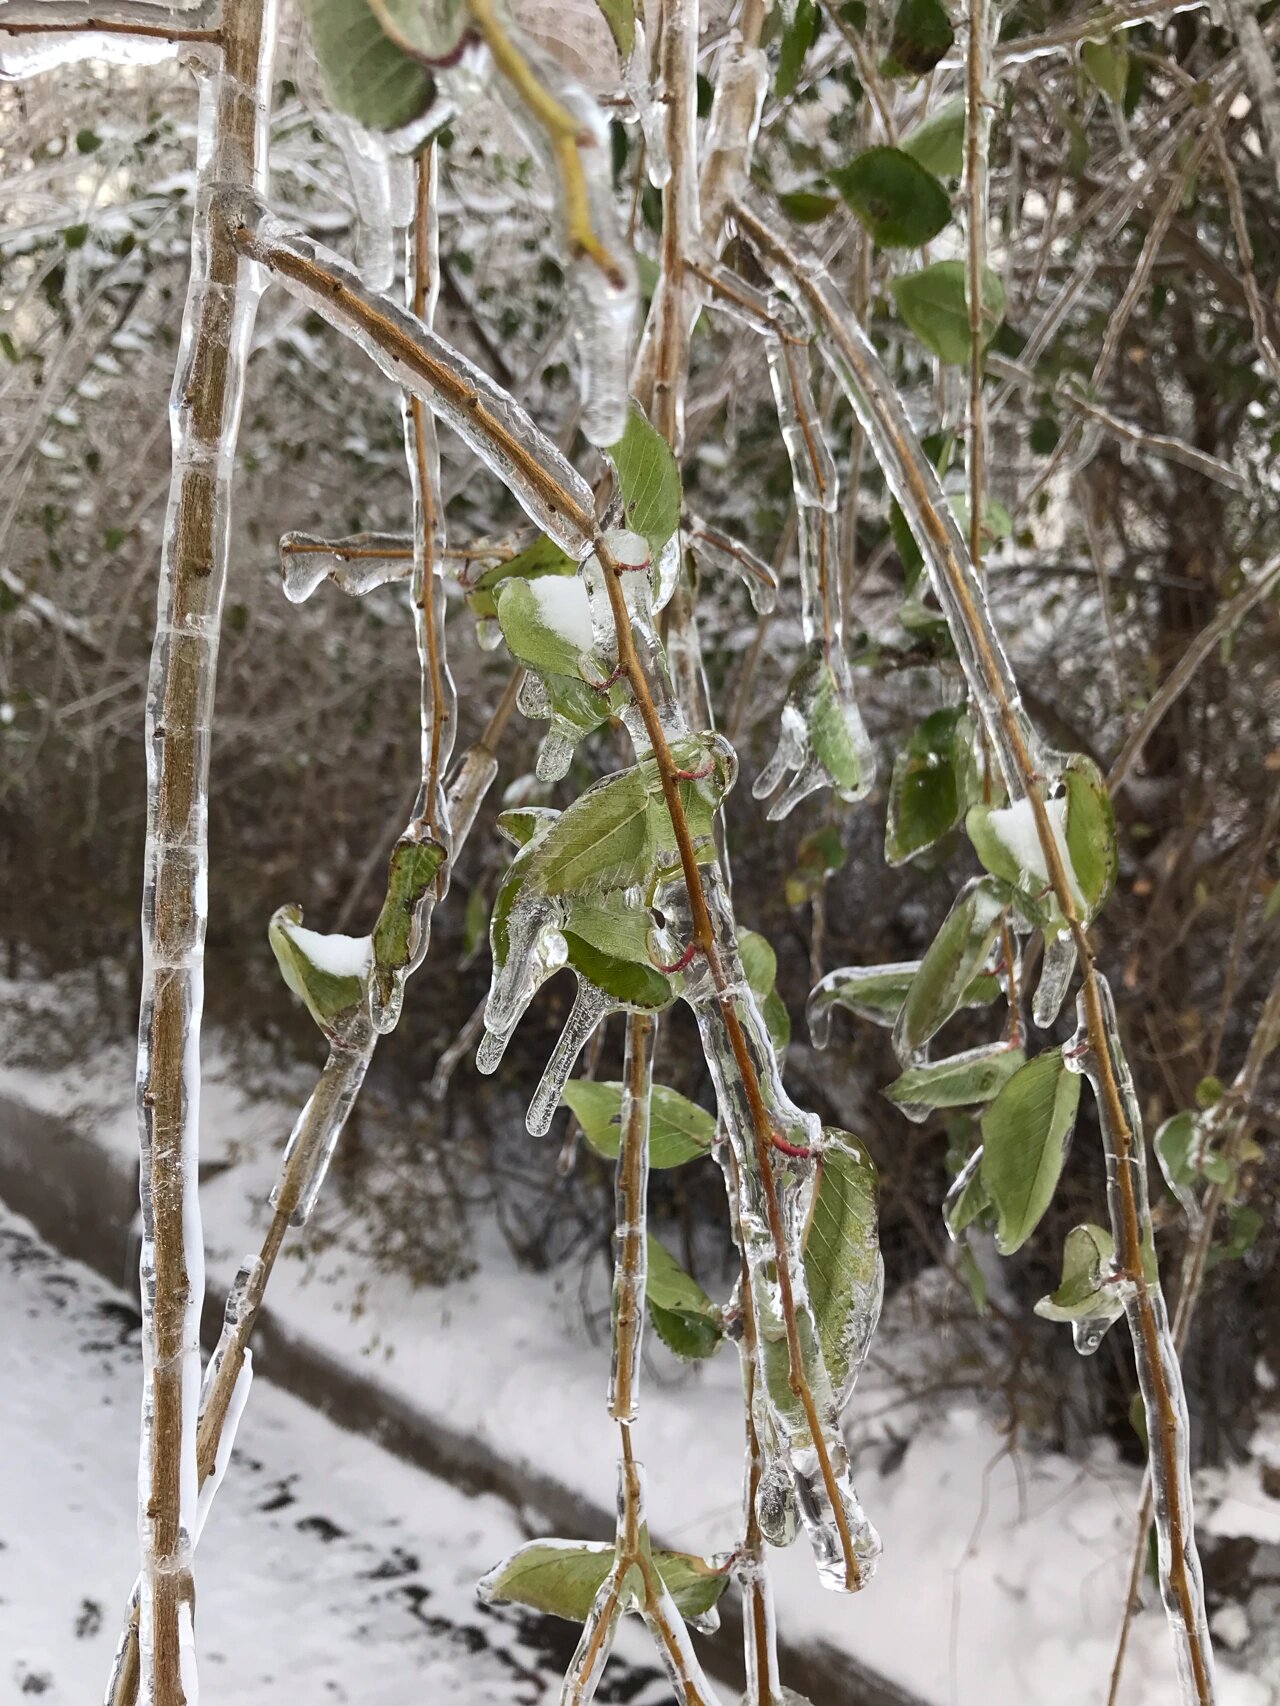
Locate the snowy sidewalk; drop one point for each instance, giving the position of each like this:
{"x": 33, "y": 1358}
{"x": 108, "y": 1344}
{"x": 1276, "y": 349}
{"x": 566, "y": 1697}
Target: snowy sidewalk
{"x": 329, "y": 1571}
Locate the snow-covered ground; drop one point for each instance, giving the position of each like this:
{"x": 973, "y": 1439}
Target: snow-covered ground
{"x": 1003, "y": 1571}
{"x": 328, "y": 1569}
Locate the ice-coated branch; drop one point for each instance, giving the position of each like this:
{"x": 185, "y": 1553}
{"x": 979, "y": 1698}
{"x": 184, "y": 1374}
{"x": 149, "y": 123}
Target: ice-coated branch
{"x": 1260, "y": 68}
{"x": 310, "y": 1147}
{"x": 630, "y": 1254}
{"x": 1095, "y": 25}
{"x": 1027, "y": 772}
{"x": 558, "y": 499}
{"x": 208, "y": 390}
{"x": 979, "y": 98}
{"x": 1235, "y": 1117}
{"x": 41, "y": 35}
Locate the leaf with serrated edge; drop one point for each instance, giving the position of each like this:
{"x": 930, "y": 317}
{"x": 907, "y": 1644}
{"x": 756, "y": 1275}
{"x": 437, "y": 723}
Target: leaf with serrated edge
{"x": 650, "y": 481}
{"x": 1024, "y": 1134}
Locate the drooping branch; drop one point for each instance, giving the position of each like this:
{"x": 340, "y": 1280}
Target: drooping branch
{"x": 1027, "y": 771}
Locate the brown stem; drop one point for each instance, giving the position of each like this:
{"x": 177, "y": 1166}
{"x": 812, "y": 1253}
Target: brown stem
{"x": 425, "y": 545}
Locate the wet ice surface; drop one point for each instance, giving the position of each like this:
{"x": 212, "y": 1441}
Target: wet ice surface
{"x": 328, "y": 1566}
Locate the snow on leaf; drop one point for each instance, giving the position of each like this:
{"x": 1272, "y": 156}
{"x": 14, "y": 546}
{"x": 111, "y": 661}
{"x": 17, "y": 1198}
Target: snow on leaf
{"x": 327, "y": 973}
{"x": 1024, "y": 1134}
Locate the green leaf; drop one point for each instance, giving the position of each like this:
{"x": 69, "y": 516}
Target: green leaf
{"x": 1090, "y": 832}
{"x": 901, "y": 204}
{"x": 1271, "y": 906}
{"x": 798, "y": 37}
{"x": 922, "y": 35}
{"x": 649, "y": 480}
{"x": 1246, "y": 1223}
{"x": 955, "y": 958}
{"x": 603, "y": 840}
{"x": 829, "y": 731}
{"x": 368, "y": 76}
{"x": 807, "y": 207}
{"x": 609, "y": 945}
{"x": 975, "y": 1076}
{"x": 1084, "y": 1294}
{"x": 620, "y": 15}
{"x": 685, "y": 1318}
{"x": 543, "y": 557}
{"x": 937, "y": 142}
{"x": 934, "y": 305}
{"x": 760, "y": 964}
{"x": 538, "y": 631}
{"x": 934, "y": 781}
{"x": 412, "y": 870}
{"x": 1024, "y": 1134}
{"x": 878, "y": 992}
{"x": 1106, "y": 65}
{"x": 679, "y": 1130}
{"x": 87, "y": 142}
{"x": 563, "y": 1577}
{"x": 327, "y": 995}
{"x": 842, "y": 1255}
{"x": 520, "y": 824}
{"x": 974, "y": 1278}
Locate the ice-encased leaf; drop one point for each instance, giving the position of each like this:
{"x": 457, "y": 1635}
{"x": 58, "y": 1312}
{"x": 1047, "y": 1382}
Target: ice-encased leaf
{"x": 543, "y": 557}
{"x": 649, "y": 480}
{"x": 937, "y": 142}
{"x": 679, "y": 1130}
{"x": 963, "y": 1079}
{"x": 835, "y": 728}
{"x": 368, "y": 75}
{"x": 412, "y": 870}
{"x": 687, "y": 1321}
{"x": 934, "y": 304}
{"x": 328, "y": 974}
{"x": 563, "y": 1577}
{"x": 933, "y": 784}
{"x": 608, "y": 944}
{"x": 546, "y": 622}
{"x": 877, "y": 993}
{"x": 843, "y": 1268}
{"x": 818, "y": 857}
{"x": 1088, "y": 1296}
{"x": 1024, "y": 1136}
{"x": 955, "y": 957}
{"x": 901, "y": 203}
{"x": 921, "y": 35}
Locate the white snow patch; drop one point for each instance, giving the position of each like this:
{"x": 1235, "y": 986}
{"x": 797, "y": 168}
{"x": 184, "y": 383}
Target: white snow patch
{"x": 1015, "y": 825}
{"x": 340, "y": 956}
{"x": 563, "y": 605}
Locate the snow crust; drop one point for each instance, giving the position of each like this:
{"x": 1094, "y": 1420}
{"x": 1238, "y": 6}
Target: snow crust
{"x": 563, "y": 605}
{"x": 340, "y": 956}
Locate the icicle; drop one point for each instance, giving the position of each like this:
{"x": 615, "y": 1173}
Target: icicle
{"x": 484, "y": 416}
{"x": 630, "y": 1241}
{"x": 776, "y": 1509}
{"x": 1155, "y": 1355}
{"x": 50, "y": 34}
{"x": 590, "y": 1006}
{"x": 207, "y": 392}
{"x": 356, "y": 564}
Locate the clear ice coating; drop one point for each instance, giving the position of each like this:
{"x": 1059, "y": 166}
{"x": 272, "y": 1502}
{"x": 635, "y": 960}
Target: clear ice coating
{"x": 914, "y": 481}
{"x": 630, "y": 1238}
{"x": 487, "y": 418}
{"x": 741, "y": 87}
{"x": 63, "y": 32}
{"x": 356, "y": 565}
{"x": 1155, "y": 1354}
{"x": 206, "y": 398}
{"x": 602, "y": 285}
{"x": 720, "y": 551}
